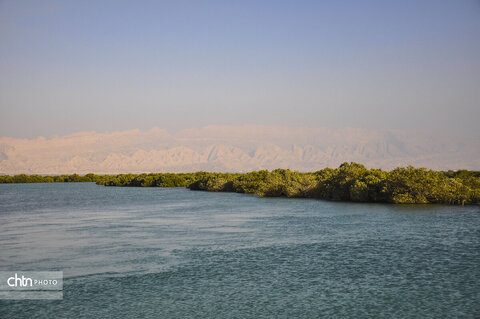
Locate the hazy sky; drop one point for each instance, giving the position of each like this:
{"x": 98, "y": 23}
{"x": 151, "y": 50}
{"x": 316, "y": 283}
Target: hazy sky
{"x": 68, "y": 66}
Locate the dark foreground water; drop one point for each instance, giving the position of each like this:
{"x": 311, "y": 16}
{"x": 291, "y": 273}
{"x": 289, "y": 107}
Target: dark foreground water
{"x": 175, "y": 253}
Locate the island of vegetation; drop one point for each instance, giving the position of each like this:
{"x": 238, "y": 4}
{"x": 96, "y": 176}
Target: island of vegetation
{"x": 349, "y": 182}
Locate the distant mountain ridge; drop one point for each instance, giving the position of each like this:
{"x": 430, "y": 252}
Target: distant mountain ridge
{"x": 234, "y": 149}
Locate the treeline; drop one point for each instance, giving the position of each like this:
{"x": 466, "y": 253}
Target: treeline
{"x": 349, "y": 182}
{"x": 152, "y": 179}
{"x": 353, "y": 182}
{"x": 135, "y": 180}
{"x": 23, "y": 178}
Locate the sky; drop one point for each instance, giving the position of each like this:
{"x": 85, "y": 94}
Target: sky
{"x": 69, "y": 66}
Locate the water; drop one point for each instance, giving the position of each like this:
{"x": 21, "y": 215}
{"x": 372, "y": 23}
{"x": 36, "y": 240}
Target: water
{"x": 175, "y": 253}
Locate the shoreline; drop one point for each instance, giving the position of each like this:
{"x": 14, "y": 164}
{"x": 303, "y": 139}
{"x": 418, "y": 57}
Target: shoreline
{"x": 350, "y": 182}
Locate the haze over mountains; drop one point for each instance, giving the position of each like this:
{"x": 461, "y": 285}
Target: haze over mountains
{"x": 234, "y": 149}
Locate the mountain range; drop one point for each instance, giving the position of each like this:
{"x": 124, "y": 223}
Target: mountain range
{"x": 235, "y": 149}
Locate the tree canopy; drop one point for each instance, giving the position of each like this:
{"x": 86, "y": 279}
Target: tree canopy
{"x": 348, "y": 182}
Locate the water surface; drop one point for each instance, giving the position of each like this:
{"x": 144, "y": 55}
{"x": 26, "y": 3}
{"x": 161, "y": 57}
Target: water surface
{"x": 175, "y": 253}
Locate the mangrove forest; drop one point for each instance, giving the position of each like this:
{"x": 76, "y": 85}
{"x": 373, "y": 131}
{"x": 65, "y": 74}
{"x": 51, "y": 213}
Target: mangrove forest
{"x": 349, "y": 182}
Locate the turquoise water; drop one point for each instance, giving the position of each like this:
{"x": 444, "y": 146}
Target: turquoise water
{"x": 175, "y": 253}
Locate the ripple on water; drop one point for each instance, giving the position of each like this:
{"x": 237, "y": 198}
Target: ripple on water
{"x": 135, "y": 252}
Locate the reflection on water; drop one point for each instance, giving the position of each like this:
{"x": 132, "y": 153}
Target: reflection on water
{"x": 178, "y": 253}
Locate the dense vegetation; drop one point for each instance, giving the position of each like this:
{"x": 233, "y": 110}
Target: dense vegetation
{"x": 349, "y": 182}
{"x": 22, "y": 178}
{"x": 353, "y": 182}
